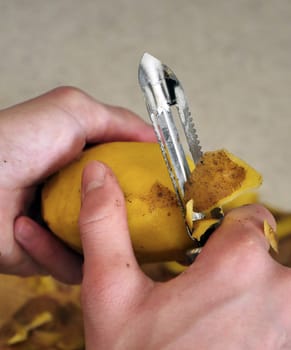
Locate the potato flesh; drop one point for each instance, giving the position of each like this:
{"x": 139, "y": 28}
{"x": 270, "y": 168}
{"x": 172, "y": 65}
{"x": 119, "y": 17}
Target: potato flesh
{"x": 217, "y": 179}
{"x": 155, "y": 220}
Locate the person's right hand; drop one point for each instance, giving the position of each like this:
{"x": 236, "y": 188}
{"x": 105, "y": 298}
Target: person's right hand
{"x": 234, "y": 296}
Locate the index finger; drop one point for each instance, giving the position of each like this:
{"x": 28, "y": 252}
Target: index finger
{"x": 101, "y": 122}
{"x": 48, "y": 132}
{"x": 240, "y": 235}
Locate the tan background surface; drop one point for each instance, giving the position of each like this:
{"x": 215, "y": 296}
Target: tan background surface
{"x": 232, "y": 56}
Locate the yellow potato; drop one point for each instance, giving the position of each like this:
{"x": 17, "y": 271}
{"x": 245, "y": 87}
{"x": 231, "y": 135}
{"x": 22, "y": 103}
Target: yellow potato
{"x": 155, "y": 220}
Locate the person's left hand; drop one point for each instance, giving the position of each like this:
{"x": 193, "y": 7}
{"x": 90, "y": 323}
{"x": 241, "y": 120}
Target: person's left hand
{"x": 37, "y": 138}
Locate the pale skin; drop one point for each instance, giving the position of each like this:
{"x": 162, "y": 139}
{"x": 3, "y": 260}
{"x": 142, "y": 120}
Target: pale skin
{"x": 235, "y": 296}
{"x": 37, "y": 138}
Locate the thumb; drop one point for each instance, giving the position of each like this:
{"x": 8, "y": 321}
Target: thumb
{"x": 113, "y": 284}
{"x": 103, "y": 221}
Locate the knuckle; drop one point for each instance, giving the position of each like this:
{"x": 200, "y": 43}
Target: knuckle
{"x": 70, "y": 99}
{"x": 67, "y": 93}
{"x": 94, "y": 223}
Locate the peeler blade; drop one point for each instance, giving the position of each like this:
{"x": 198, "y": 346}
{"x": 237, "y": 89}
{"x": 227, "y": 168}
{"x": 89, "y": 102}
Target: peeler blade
{"x": 168, "y": 108}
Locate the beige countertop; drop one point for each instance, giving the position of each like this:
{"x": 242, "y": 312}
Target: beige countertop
{"x": 232, "y": 56}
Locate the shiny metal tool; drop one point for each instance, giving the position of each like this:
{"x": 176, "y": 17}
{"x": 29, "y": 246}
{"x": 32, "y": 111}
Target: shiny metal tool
{"x": 170, "y": 115}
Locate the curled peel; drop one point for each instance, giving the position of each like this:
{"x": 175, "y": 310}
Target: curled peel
{"x": 189, "y": 212}
{"x": 217, "y": 179}
{"x": 271, "y": 236}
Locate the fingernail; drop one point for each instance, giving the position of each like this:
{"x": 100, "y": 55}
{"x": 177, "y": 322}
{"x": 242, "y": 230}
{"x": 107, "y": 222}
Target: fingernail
{"x": 95, "y": 177}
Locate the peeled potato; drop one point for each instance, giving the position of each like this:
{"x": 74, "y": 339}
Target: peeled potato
{"x": 155, "y": 220}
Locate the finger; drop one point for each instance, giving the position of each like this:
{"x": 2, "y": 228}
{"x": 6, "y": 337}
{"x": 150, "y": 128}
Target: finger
{"x": 240, "y": 236}
{"x": 112, "y": 282}
{"x": 103, "y": 226}
{"x": 58, "y": 124}
{"x": 245, "y": 225}
{"x": 49, "y": 252}
{"x": 16, "y": 261}
{"x": 20, "y": 263}
{"x": 101, "y": 122}
{"x": 103, "y": 223}
{"x": 13, "y": 259}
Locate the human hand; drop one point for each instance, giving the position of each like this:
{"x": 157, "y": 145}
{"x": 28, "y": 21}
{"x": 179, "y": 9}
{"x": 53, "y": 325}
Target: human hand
{"x": 37, "y": 138}
{"x": 234, "y": 296}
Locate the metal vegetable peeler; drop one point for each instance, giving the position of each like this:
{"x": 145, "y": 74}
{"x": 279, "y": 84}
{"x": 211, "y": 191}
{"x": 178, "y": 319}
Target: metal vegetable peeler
{"x": 170, "y": 115}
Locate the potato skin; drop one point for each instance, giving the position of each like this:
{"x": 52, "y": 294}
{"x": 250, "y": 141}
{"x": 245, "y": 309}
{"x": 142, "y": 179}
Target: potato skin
{"x": 155, "y": 220}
